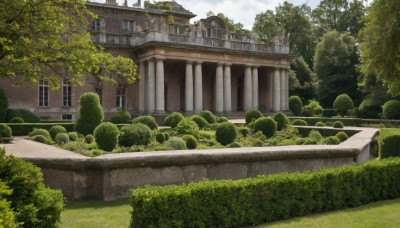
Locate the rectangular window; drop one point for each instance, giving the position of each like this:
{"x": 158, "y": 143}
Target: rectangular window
{"x": 121, "y": 96}
{"x": 66, "y": 117}
{"x": 128, "y": 26}
{"x": 67, "y": 93}
{"x": 96, "y": 25}
{"x": 43, "y": 93}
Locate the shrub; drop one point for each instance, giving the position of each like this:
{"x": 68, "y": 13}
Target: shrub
{"x": 191, "y": 141}
{"x": 175, "y": 143}
{"x": 188, "y": 127}
{"x": 173, "y": 119}
{"x": 244, "y": 131}
{"x": 166, "y": 135}
{"x": 328, "y": 112}
{"x": 342, "y": 136}
{"x": 106, "y": 136}
{"x": 295, "y": 105}
{"x": 338, "y": 124}
{"x": 160, "y": 137}
{"x": 5, "y": 133}
{"x": 36, "y": 205}
{"x": 61, "y": 138}
{"x": 342, "y": 104}
{"x": 3, "y": 106}
{"x": 266, "y": 125}
{"x": 331, "y": 140}
{"x": 39, "y": 131}
{"x": 320, "y": 124}
{"x": 40, "y": 139}
{"x": 370, "y": 108}
{"x": 209, "y": 116}
{"x": 90, "y": 114}
{"x": 200, "y": 121}
{"x": 281, "y": 120}
{"x": 73, "y": 136}
{"x": 391, "y": 110}
{"x": 389, "y": 143}
{"x": 252, "y": 114}
{"x": 314, "y": 108}
{"x": 89, "y": 138}
{"x": 122, "y": 117}
{"x": 7, "y": 216}
{"x": 17, "y": 120}
{"x": 26, "y": 115}
{"x": 55, "y": 130}
{"x": 135, "y": 134}
{"x": 147, "y": 120}
{"x": 226, "y": 133}
{"x": 222, "y": 119}
{"x": 302, "y": 131}
{"x": 309, "y": 141}
{"x": 315, "y": 135}
{"x": 306, "y": 113}
{"x": 234, "y": 145}
{"x": 300, "y": 141}
{"x": 287, "y": 142}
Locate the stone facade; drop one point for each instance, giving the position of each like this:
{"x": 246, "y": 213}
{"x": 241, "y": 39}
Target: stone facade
{"x": 183, "y": 67}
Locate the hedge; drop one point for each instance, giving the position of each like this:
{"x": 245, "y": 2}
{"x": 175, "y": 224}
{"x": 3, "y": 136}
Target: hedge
{"x": 248, "y": 202}
{"x": 356, "y": 122}
{"x": 22, "y": 129}
{"x": 389, "y": 143}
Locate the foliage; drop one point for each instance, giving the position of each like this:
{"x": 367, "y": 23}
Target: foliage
{"x": 391, "y": 109}
{"x": 222, "y": 119}
{"x": 338, "y": 124}
{"x": 306, "y": 113}
{"x": 226, "y": 133}
{"x": 61, "y": 138}
{"x": 342, "y": 104}
{"x": 389, "y": 143}
{"x": 17, "y": 120}
{"x": 5, "y": 133}
{"x": 55, "y": 130}
{"x": 342, "y": 136}
{"x": 320, "y": 124}
{"x": 309, "y": 141}
{"x": 89, "y": 138}
{"x": 40, "y": 139}
{"x": 370, "y": 108}
{"x": 188, "y": 127}
{"x": 175, "y": 143}
{"x": 252, "y": 114}
{"x": 7, "y": 216}
{"x": 3, "y": 106}
{"x": 73, "y": 136}
{"x": 147, "y": 120}
{"x": 160, "y": 137}
{"x": 90, "y": 114}
{"x": 314, "y": 108}
{"x": 191, "y": 141}
{"x": 315, "y": 135}
{"x": 135, "y": 134}
{"x": 48, "y": 40}
{"x": 106, "y": 136}
{"x": 201, "y": 122}
{"x": 328, "y": 112}
{"x": 237, "y": 28}
{"x": 122, "y": 117}
{"x": 248, "y": 202}
{"x": 26, "y": 115}
{"x": 244, "y": 131}
{"x": 303, "y": 131}
{"x": 281, "y": 120}
{"x": 34, "y": 204}
{"x": 331, "y": 140}
{"x": 234, "y": 145}
{"x": 307, "y": 79}
{"x": 173, "y": 119}
{"x": 209, "y": 116}
{"x": 39, "y": 131}
{"x": 266, "y": 125}
{"x": 295, "y": 105}
{"x": 23, "y": 129}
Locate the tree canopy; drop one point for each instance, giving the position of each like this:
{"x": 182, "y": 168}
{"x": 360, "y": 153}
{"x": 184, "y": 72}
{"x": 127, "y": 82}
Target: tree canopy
{"x": 48, "y": 40}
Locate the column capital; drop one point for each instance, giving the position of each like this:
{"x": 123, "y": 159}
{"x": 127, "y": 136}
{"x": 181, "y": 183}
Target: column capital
{"x": 220, "y": 64}
{"x": 189, "y": 61}
{"x": 159, "y": 58}
{"x": 228, "y": 64}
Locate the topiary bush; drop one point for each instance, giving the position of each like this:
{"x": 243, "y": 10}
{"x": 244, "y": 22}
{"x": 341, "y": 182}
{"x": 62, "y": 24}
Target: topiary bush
{"x": 281, "y": 120}
{"x": 17, "y": 120}
{"x": 200, "y": 121}
{"x": 55, "y": 130}
{"x": 89, "y": 139}
{"x": 331, "y": 140}
{"x": 122, "y": 117}
{"x": 3, "y": 106}
{"x": 61, "y": 138}
{"x": 40, "y": 139}
{"x": 187, "y": 127}
{"x": 244, "y": 131}
{"x": 266, "y": 125}
{"x": 39, "y": 131}
{"x": 226, "y": 133}
{"x": 191, "y": 141}
{"x": 315, "y": 135}
{"x": 370, "y": 108}
{"x": 300, "y": 141}
{"x": 391, "y": 110}
{"x": 160, "y": 137}
{"x": 342, "y": 136}
{"x": 147, "y": 120}
{"x": 106, "y": 136}
{"x": 309, "y": 141}
{"x": 320, "y": 124}
{"x": 342, "y": 104}
{"x": 166, "y": 135}
{"x": 295, "y": 105}
{"x": 338, "y": 124}
{"x": 389, "y": 143}
{"x": 135, "y": 134}
{"x": 209, "y": 116}
{"x": 90, "y": 114}
{"x": 302, "y": 131}
{"x": 314, "y": 107}
{"x": 173, "y": 119}
{"x": 26, "y": 115}
{"x": 306, "y": 113}
{"x": 252, "y": 114}
{"x": 5, "y": 133}
{"x": 175, "y": 143}
{"x": 73, "y": 136}
{"x": 222, "y": 119}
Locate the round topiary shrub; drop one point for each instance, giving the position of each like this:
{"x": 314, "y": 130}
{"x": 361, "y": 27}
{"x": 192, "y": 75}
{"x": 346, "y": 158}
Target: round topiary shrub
{"x": 222, "y": 119}
{"x": 281, "y": 120}
{"x": 266, "y": 125}
{"x": 40, "y": 139}
{"x": 61, "y": 138}
{"x": 147, "y": 120}
{"x": 5, "y": 133}
{"x": 122, "y": 117}
{"x": 320, "y": 124}
{"x": 252, "y": 114}
{"x": 302, "y": 131}
{"x": 191, "y": 141}
{"x": 306, "y": 113}
{"x": 244, "y": 131}
{"x": 90, "y": 114}
{"x": 314, "y": 108}
{"x": 166, "y": 135}
{"x": 315, "y": 135}
{"x": 295, "y": 105}
{"x": 200, "y": 121}
{"x": 338, "y": 124}
{"x": 391, "y": 109}
{"x": 226, "y": 133}
{"x": 310, "y": 141}
{"x": 55, "y": 130}
{"x": 173, "y": 119}
{"x": 160, "y": 137}
{"x": 209, "y": 116}
{"x": 135, "y": 134}
{"x": 17, "y": 120}
{"x": 89, "y": 139}
{"x": 73, "y": 136}
{"x": 188, "y": 127}
{"x": 342, "y": 104}
{"x": 175, "y": 143}
{"x": 39, "y": 131}
{"x": 342, "y": 136}
{"x": 331, "y": 140}
{"x": 106, "y": 136}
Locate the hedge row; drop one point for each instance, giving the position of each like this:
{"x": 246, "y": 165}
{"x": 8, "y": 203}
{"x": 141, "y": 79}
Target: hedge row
{"x": 389, "y": 143}
{"x": 258, "y": 200}
{"x": 348, "y": 121}
{"x": 22, "y": 129}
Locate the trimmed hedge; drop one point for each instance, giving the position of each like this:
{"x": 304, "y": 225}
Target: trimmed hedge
{"x": 90, "y": 113}
{"x": 266, "y": 125}
{"x": 135, "y": 134}
{"x": 173, "y": 119}
{"x": 226, "y": 133}
{"x": 389, "y": 143}
{"x": 55, "y": 130}
{"x": 252, "y": 114}
{"x": 106, "y": 136}
{"x": 26, "y": 115}
{"x": 23, "y": 129}
{"x": 147, "y": 120}
{"x": 209, "y": 116}
{"x": 252, "y": 201}
{"x": 342, "y": 104}
{"x": 391, "y": 109}
{"x": 295, "y": 105}
{"x": 122, "y": 117}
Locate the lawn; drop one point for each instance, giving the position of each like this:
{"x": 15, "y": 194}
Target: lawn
{"x": 117, "y": 214}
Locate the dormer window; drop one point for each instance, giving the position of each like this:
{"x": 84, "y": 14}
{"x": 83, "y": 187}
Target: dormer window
{"x": 214, "y": 33}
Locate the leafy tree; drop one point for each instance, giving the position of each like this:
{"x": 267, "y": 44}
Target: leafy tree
{"x": 48, "y": 39}
{"x": 266, "y": 26}
{"x": 334, "y": 63}
{"x": 379, "y": 46}
{"x": 306, "y": 88}
{"x": 230, "y": 23}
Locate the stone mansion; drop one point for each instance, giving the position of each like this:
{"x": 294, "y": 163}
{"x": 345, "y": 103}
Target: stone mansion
{"x": 184, "y": 67}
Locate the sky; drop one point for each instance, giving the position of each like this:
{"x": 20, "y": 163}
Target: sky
{"x": 243, "y": 11}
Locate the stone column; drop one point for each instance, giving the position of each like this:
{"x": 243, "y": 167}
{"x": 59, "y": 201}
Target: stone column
{"x": 160, "y": 98}
{"x": 255, "y": 87}
{"x": 142, "y": 87}
{"x": 189, "y": 87}
{"x": 287, "y": 90}
{"x": 283, "y": 88}
{"x": 248, "y": 95}
{"x": 151, "y": 94}
{"x": 219, "y": 89}
{"x": 198, "y": 88}
{"x": 276, "y": 106}
{"x": 227, "y": 88}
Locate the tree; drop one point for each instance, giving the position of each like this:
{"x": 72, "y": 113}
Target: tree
{"x": 306, "y": 80}
{"x": 334, "y": 63}
{"x": 48, "y": 39}
{"x": 379, "y": 46}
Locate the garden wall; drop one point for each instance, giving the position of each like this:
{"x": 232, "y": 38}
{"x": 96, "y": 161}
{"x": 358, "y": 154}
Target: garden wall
{"x": 110, "y": 177}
